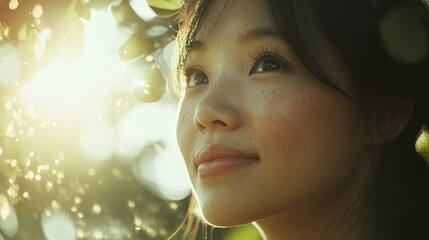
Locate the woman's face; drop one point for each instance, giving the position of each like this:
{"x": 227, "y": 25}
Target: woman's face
{"x": 260, "y": 135}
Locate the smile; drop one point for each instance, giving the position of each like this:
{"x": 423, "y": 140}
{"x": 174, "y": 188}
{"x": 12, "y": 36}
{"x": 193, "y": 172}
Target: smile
{"x": 219, "y": 159}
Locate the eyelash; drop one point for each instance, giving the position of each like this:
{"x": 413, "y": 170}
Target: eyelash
{"x": 264, "y": 53}
{"x": 189, "y": 72}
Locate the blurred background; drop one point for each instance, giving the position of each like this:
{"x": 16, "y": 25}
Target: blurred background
{"x": 87, "y": 122}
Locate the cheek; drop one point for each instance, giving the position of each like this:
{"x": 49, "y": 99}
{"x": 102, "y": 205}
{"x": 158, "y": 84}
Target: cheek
{"x": 304, "y": 140}
{"x": 284, "y": 120}
{"x": 288, "y": 133}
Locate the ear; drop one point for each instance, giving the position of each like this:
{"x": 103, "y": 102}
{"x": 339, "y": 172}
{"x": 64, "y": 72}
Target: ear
{"x": 388, "y": 121}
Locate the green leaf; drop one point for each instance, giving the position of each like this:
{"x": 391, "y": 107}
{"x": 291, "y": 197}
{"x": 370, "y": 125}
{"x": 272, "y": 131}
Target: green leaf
{"x": 165, "y": 8}
{"x": 247, "y": 232}
{"x": 422, "y": 145}
{"x": 163, "y": 13}
{"x": 165, "y": 4}
{"x": 154, "y": 88}
{"x": 403, "y": 35}
{"x": 136, "y": 46}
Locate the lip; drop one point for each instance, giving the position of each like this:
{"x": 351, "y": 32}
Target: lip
{"x": 218, "y": 159}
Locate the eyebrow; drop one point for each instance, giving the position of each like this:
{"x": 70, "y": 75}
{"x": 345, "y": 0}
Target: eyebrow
{"x": 258, "y": 33}
{"x": 248, "y": 36}
{"x": 197, "y": 45}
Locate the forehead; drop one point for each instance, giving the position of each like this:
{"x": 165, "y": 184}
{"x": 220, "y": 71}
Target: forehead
{"x": 230, "y": 17}
{"x": 226, "y": 21}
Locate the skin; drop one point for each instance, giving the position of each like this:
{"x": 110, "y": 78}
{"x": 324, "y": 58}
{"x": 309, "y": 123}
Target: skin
{"x": 313, "y": 159}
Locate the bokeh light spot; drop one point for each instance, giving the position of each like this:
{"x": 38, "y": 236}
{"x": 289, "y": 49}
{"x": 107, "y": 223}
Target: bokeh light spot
{"x": 25, "y": 195}
{"x": 98, "y": 234}
{"x": 156, "y": 31}
{"x": 131, "y": 204}
{"x": 13, "y": 163}
{"x": 13, "y": 4}
{"x": 37, "y": 11}
{"x": 55, "y": 204}
{"x": 58, "y": 226}
{"x": 80, "y": 233}
{"x": 96, "y": 208}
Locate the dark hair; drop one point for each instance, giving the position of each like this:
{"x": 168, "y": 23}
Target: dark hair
{"x": 383, "y": 46}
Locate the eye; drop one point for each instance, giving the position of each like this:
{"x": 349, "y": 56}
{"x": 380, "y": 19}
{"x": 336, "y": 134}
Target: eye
{"x": 268, "y": 61}
{"x": 266, "y": 64}
{"x": 195, "y": 78}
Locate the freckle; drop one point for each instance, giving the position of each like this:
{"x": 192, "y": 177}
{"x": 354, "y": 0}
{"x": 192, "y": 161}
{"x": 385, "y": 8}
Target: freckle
{"x": 250, "y": 138}
{"x": 290, "y": 114}
{"x": 303, "y": 102}
{"x": 275, "y": 94}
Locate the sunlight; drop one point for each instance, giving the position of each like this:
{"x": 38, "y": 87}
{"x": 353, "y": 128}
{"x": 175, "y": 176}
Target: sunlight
{"x": 61, "y": 89}
{"x": 69, "y": 88}
{"x": 83, "y": 96}
{"x": 97, "y": 142}
{"x": 95, "y": 94}
{"x": 104, "y": 49}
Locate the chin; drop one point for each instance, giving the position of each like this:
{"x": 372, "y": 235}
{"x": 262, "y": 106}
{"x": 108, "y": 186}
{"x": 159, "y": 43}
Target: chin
{"x": 226, "y": 218}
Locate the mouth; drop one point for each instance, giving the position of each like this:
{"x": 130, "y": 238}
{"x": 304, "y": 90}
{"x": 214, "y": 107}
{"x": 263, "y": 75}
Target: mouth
{"x": 218, "y": 159}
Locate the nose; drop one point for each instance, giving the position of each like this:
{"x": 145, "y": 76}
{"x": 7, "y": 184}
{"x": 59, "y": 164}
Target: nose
{"x": 216, "y": 113}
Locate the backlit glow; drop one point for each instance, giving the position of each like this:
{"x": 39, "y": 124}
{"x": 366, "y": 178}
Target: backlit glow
{"x": 97, "y": 142}
{"x": 10, "y": 64}
{"x": 81, "y": 93}
{"x": 76, "y": 131}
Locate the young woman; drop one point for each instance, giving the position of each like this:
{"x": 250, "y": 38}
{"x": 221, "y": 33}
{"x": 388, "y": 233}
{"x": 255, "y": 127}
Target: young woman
{"x": 301, "y": 116}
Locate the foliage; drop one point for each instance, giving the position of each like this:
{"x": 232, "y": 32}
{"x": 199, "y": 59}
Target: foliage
{"x": 68, "y": 56}
{"x": 404, "y": 35}
{"x": 165, "y": 8}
